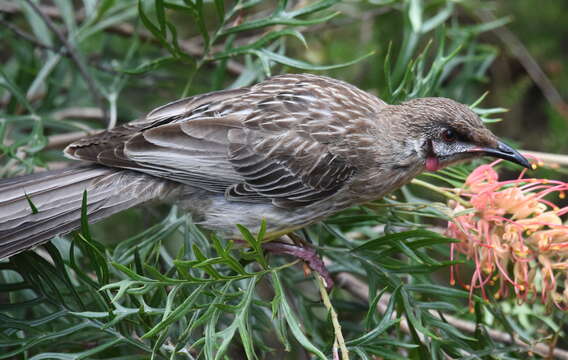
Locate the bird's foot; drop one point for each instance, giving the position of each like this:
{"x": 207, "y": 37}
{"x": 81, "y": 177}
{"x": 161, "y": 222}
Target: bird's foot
{"x": 308, "y": 254}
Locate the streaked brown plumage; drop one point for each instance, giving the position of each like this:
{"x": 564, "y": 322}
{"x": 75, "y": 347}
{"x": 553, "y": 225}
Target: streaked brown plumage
{"x": 292, "y": 150}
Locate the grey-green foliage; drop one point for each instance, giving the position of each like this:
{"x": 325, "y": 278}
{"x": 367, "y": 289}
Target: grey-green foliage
{"x": 172, "y": 291}
{"x": 434, "y": 72}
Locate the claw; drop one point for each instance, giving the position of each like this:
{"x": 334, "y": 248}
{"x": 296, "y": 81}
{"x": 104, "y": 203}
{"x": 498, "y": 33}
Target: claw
{"x": 309, "y": 255}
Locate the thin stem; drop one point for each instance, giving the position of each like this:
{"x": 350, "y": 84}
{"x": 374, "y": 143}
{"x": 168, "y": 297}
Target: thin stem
{"x": 190, "y": 79}
{"x": 97, "y": 96}
{"x": 205, "y": 55}
{"x": 339, "y": 340}
{"x": 440, "y": 191}
{"x": 24, "y": 35}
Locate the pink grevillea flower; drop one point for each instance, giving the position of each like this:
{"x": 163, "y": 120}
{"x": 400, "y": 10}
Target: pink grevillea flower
{"x": 515, "y": 235}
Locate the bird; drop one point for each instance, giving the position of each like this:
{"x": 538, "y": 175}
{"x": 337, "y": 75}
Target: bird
{"x": 290, "y": 151}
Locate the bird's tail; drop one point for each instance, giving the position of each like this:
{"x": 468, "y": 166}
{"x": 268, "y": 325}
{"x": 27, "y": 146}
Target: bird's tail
{"x": 35, "y": 208}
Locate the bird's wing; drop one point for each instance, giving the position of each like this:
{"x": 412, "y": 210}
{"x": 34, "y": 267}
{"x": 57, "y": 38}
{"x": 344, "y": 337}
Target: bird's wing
{"x": 178, "y": 141}
{"x": 285, "y": 140}
{"x": 289, "y": 169}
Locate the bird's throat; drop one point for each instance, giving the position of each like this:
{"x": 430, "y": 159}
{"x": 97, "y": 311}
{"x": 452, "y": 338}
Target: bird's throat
{"x": 432, "y": 163}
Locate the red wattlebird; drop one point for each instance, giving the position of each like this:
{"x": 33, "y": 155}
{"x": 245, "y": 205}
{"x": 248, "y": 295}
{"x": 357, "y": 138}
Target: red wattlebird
{"x": 291, "y": 150}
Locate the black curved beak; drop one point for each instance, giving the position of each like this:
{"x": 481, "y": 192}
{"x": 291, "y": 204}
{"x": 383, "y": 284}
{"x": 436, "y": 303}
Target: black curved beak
{"x": 505, "y": 152}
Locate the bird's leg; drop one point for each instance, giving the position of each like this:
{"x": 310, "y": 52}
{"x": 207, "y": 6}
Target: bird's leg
{"x": 299, "y": 241}
{"x": 303, "y": 251}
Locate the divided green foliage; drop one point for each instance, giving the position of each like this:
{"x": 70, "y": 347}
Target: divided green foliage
{"x": 172, "y": 291}
{"x": 428, "y": 74}
{"x": 264, "y": 37}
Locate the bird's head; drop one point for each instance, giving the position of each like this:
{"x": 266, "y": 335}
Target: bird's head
{"x": 444, "y": 132}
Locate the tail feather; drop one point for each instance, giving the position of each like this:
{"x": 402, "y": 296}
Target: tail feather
{"x": 57, "y": 195}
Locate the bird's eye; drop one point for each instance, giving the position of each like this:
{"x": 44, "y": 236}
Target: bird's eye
{"x": 449, "y": 135}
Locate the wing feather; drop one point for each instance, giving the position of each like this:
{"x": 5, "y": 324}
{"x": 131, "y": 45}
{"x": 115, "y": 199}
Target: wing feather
{"x": 286, "y": 140}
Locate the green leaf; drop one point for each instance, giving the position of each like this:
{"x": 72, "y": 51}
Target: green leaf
{"x": 385, "y": 323}
{"x": 438, "y": 19}
{"x": 313, "y": 8}
{"x": 277, "y": 20}
{"x": 159, "y": 34}
{"x": 291, "y": 319}
{"x": 260, "y": 43}
{"x": 375, "y": 244}
{"x": 85, "y": 217}
{"x": 285, "y": 60}
{"x": 31, "y": 204}
{"x": 443, "y": 292}
{"x": 161, "y": 16}
{"x": 415, "y": 15}
{"x": 220, "y": 7}
{"x": 170, "y": 317}
{"x": 255, "y": 243}
{"x": 8, "y": 84}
